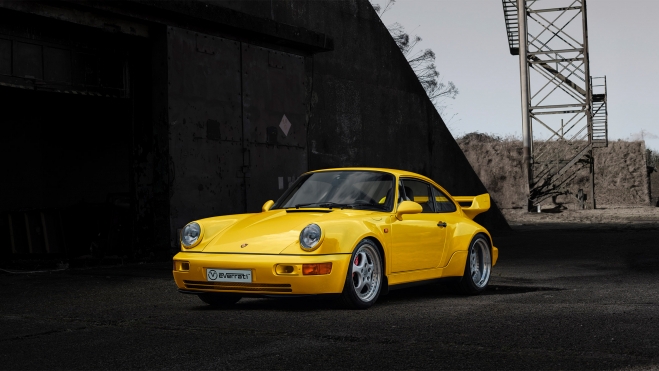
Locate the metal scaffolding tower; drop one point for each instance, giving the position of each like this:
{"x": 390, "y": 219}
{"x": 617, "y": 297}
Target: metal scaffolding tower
{"x": 563, "y": 119}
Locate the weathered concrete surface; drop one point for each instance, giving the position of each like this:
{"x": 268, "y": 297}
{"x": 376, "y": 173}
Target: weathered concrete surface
{"x": 577, "y": 297}
{"x": 620, "y": 172}
{"x": 654, "y": 187}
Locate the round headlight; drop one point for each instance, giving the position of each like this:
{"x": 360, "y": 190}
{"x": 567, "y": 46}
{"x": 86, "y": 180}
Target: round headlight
{"x": 190, "y": 234}
{"x": 310, "y": 237}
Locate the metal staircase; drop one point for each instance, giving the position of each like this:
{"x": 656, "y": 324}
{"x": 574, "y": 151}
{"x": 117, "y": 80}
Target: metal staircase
{"x": 553, "y": 173}
{"x": 599, "y": 133}
{"x": 510, "y": 14}
{"x": 564, "y": 110}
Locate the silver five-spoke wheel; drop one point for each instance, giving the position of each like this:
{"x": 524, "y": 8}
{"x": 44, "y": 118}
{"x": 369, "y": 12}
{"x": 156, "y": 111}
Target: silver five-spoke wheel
{"x": 364, "y": 279}
{"x": 478, "y": 267}
{"x": 481, "y": 263}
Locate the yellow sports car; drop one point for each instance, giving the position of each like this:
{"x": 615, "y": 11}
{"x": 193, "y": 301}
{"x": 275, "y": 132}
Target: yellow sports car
{"x": 353, "y": 232}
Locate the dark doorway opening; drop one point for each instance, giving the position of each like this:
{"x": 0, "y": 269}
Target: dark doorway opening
{"x": 67, "y": 170}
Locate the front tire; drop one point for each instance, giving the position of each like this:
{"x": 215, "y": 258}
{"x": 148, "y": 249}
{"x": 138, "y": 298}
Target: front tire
{"x": 219, "y": 300}
{"x": 364, "y": 279}
{"x": 478, "y": 267}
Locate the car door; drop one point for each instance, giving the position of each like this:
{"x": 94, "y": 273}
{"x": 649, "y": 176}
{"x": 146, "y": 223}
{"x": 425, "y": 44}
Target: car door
{"x": 446, "y": 212}
{"x": 417, "y": 240}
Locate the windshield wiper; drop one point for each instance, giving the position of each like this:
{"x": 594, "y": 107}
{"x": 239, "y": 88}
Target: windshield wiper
{"x": 368, "y": 205}
{"x": 323, "y": 204}
{"x": 361, "y": 205}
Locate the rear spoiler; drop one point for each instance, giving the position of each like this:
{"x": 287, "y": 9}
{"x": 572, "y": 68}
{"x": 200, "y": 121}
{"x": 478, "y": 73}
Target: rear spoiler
{"x": 479, "y": 204}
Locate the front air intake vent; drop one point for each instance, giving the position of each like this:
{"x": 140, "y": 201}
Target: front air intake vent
{"x": 238, "y": 286}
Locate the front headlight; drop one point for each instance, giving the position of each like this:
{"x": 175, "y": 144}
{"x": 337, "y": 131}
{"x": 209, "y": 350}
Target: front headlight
{"x": 310, "y": 237}
{"x": 191, "y": 235}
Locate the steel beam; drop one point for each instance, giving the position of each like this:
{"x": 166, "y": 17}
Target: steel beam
{"x": 527, "y": 138}
{"x": 589, "y": 97}
{"x": 553, "y": 9}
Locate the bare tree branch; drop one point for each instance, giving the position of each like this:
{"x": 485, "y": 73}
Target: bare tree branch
{"x": 377, "y": 7}
{"x": 421, "y": 61}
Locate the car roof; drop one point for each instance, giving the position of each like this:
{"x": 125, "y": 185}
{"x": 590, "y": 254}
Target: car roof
{"x": 396, "y": 172}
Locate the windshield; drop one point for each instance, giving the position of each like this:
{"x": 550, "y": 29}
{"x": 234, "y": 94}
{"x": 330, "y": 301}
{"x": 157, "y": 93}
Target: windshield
{"x": 341, "y": 189}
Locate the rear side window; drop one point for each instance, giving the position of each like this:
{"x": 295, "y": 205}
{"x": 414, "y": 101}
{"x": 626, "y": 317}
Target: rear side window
{"x": 443, "y": 204}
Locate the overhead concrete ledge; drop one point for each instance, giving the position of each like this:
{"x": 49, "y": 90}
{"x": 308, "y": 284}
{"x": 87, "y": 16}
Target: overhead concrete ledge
{"x": 181, "y": 13}
{"x": 194, "y": 14}
{"x": 280, "y": 33}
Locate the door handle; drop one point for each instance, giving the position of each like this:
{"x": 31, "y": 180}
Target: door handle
{"x": 441, "y": 224}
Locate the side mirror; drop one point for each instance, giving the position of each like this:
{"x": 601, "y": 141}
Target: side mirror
{"x": 407, "y": 207}
{"x": 267, "y": 205}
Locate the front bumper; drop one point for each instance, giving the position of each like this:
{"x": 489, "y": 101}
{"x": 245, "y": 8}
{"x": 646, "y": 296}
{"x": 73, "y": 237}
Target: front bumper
{"x": 265, "y": 278}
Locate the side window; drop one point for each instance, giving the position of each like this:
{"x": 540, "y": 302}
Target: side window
{"x": 417, "y": 191}
{"x": 443, "y": 204}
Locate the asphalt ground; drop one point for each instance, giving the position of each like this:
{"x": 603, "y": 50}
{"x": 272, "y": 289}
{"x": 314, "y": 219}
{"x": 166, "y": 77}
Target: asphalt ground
{"x": 574, "y": 297}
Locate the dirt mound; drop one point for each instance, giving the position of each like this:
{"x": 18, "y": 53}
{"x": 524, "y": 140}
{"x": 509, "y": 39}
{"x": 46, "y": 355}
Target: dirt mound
{"x": 621, "y": 176}
{"x": 479, "y": 138}
{"x": 498, "y": 163}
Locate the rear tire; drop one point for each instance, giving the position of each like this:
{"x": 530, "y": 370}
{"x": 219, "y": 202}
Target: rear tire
{"x": 365, "y": 277}
{"x": 477, "y": 268}
{"x": 219, "y": 300}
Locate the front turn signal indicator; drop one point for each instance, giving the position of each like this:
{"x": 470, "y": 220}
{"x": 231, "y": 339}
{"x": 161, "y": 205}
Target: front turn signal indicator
{"x": 316, "y": 269}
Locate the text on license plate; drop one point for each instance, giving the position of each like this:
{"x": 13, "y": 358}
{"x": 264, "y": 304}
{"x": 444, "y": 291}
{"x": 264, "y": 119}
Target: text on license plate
{"x": 228, "y": 275}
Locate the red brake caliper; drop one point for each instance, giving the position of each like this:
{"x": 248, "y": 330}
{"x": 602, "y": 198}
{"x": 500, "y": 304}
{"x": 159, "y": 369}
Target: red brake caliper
{"x": 356, "y": 262}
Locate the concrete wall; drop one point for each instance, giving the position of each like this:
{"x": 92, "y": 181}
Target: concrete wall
{"x": 654, "y": 188}
{"x": 367, "y": 106}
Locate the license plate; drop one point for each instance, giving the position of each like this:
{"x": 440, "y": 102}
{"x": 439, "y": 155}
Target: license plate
{"x": 228, "y": 275}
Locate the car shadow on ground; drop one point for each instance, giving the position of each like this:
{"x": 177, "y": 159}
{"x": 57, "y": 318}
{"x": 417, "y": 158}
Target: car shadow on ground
{"x": 443, "y": 290}
{"x": 321, "y": 303}
{"x": 294, "y": 304}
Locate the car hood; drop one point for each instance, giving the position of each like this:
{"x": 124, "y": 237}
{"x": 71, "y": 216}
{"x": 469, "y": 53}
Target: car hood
{"x": 269, "y": 232}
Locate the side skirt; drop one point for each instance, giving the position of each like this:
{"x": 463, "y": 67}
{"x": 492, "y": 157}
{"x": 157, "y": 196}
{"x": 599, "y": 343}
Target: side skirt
{"x": 425, "y": 282}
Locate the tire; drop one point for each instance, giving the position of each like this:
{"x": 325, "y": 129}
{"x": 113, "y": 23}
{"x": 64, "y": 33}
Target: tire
{"x": 364, "y": 279}
{"x": 477, "y": 268}
{"x": 219, "y": 300}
